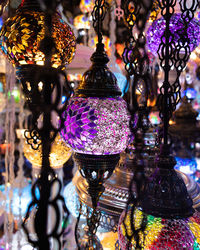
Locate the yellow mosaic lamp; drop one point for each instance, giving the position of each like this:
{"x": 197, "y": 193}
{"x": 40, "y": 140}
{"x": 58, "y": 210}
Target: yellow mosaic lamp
{"x": 21, "y": 34}
{"x": 159, "y": 233}
{"x": 60, "y": 153}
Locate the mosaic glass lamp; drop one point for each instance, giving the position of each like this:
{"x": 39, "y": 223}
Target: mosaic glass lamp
{"x": 21, "y": 34}
{"x": 60, "y": 153}
{"x": 97, "y": 122}
{"x": 163, "y": 217}
{"x": 96, "y": 128}
{"x": 156, "y": 31}
{"x": 160, "y": 233}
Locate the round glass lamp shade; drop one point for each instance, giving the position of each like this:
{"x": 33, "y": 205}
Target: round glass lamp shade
{"x": 98, "y": 126}
{"x": 158, "y": 233}
{"x": 21, "y": 34}
{"x": 156, "y": 31}
{"x": 60, "y": 153}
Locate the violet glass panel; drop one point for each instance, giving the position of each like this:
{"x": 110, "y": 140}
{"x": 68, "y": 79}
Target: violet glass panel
{"x": 103, "y": 125}
{"x": 156, "y": 31}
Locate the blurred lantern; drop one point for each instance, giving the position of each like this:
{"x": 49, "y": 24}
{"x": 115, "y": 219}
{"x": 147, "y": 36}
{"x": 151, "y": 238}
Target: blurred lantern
{"x": 86, "y": 6}
{"x": 1, "y": 21}
{"x": 74, "y": 77}
{"x": 106, "y": 42}
{"x": 81, "y": 61}
{"x": 60, "y": 153}
{"x": 154, "y": 118}
{"x": 3, "y": 4}
{"x": 160, "y": 233}
{"x": 15, "y": 93}
{"x": 22, "y": 33}
{"x": 186, "y": 165}
{"x": 4, "y": 147}
{"x": 190, "y": 93}
{"x": 82, "y": 22}
{"x": 185, "y": 129}
{"x": 156, "y": 31}
{"x": 20, "y": 203}
{"x": 2, "y": 101}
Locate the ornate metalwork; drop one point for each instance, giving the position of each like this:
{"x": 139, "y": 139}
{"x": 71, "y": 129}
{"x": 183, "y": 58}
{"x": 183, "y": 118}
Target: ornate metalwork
{"x": 33, "y": 138}
{"x": 137, "y": 65}
{"x": 98, "y": 14}
{"x": 97, "y": 82}
{"x": 168, "y": 205}
{"x": 114, "y": 199}
{"x": 43, "y": 91}
{"x": 173, "y": 55}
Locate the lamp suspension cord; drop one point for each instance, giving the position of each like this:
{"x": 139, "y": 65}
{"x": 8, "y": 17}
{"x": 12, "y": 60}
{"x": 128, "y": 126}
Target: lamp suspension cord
{"x": 166, "y": 80}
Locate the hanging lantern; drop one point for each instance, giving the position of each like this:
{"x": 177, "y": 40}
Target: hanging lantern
{"x": 156, "y": 31}
{"x": 21, "y": 34}
{"x": 60, "y": 153}
{"x": 82, "y": 22}
{"x": 86, "y": 6}
{"x": 160, "y": 233}
{"x": 96, "y": 128}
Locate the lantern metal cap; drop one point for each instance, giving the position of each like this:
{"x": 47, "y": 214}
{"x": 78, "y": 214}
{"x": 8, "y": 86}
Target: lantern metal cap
{"x": 165, "y": 194}
{"x": 98, "y": 81}
{"x": 185, "y": 113}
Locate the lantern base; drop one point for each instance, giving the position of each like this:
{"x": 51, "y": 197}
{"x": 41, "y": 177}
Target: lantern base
{"x": 96, "y": 169}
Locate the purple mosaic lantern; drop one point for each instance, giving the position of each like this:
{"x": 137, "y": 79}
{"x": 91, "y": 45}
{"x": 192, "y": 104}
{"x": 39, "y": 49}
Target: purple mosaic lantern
{"x": 156, "y": 31}
{"x": 98, "y": 126}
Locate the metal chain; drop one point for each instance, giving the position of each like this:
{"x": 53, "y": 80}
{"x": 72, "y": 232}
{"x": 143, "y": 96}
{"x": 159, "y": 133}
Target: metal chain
{"x": 173, "y": 55}
{"x": 137, "y": 65}
{"x": 49, "y": 102}
{"x": 98, "y": 14}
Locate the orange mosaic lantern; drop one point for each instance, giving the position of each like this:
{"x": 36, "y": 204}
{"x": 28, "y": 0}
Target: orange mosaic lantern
{"x": 21, "y": 34}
